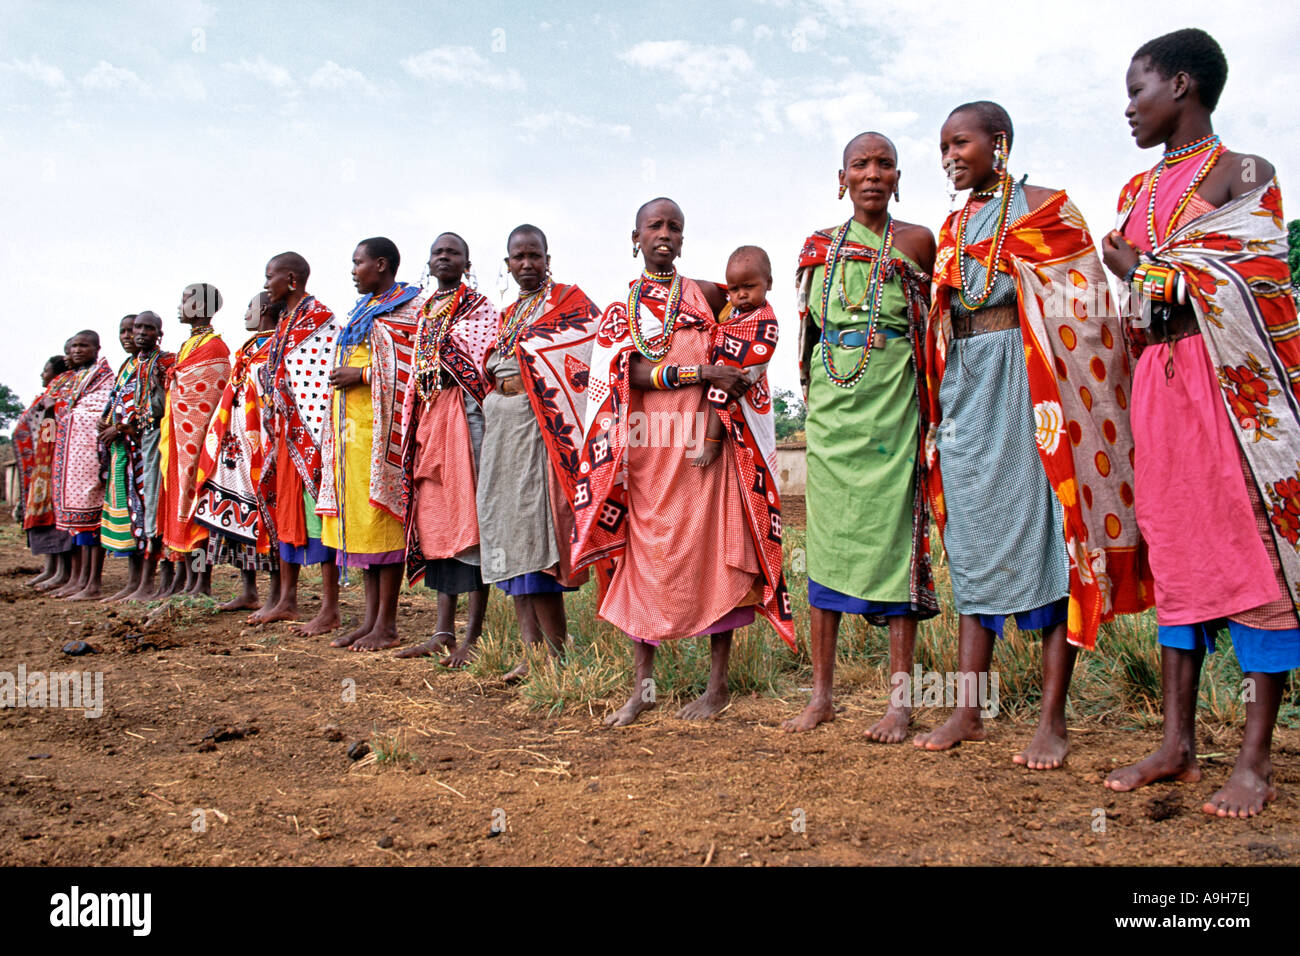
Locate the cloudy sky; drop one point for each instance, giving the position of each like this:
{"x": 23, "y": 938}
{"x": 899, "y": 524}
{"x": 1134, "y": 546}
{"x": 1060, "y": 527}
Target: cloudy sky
{"x": 147, "y": 145}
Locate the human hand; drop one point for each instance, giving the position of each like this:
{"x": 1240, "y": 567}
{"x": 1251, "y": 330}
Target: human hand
{"x": 1118, "y": 253}
{"x": 345, "y": 377}
{"x": 730, "y": 379}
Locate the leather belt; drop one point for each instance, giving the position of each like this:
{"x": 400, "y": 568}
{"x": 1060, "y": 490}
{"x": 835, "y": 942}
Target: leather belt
{"x": 857, "y": 338}
{"x": 998, "y": 318}
{"x": 511, "y": 385}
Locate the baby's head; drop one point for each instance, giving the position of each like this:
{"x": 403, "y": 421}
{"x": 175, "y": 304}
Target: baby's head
{"x": 749, "y": 277}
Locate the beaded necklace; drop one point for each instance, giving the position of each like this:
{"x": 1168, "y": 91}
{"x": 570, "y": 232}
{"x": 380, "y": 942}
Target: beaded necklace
{"x": 1007, "y": 188}
{"x": 875, "y": 292}
{"x": 1209, "y": 144}
{"x": 673, "y": 308}
{"x": 428, "y": 344}
{"x": 519, "y": 315}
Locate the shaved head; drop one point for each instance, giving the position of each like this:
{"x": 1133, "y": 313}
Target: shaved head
{"x": 463, "y": 244}
{"x": 295, "y": 264}
{"x": 755, "y": 254}
{"x": 862, "y": 139}
{"x": 150, "y": 318}
{"x": 644, "y": 206}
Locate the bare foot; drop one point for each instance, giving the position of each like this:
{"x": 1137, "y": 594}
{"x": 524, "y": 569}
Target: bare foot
{"x": 376, "y": 640}
{"x": 892, "y": 728}
{"x": 957, "y": 729}
{"x": 520, "y": 672}
{"x": 347, "y": 640}
{"x": 276, "y": 612}
{"x": 1245, "y": 794}
{"x": 241, "y": 603}
{"x": 87, "y": 593}
{"x": 1164, "y": 764}
{"x": 629, "y": 712}
{"x": 66, "y": 590}
{"x": 140, "y": 595}
{"x": 1045, "y": 752}
{"x": 441, "y": 641}
{"x": 817, "y": 712}
{"x": 49, "y": 585}
{"x": 322, "y": 623}
{"x": 707, "y": 705}
{"x": 460, "y": 656}
{"x": 121, "y": 595}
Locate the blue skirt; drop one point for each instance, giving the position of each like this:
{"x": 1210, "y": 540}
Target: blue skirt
{"x": 534, "y": 582}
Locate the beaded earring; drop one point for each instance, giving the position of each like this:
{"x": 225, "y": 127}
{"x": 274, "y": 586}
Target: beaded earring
{"x": 895, "y": 194}
{"x": 636, "y": 249}
{"x": 472, "y": 280}
{"x": 843, "y": 190}
{"x": 503, "y": 280}
{"x": 1000, "y": 154}
{"x": 952, "y": 186}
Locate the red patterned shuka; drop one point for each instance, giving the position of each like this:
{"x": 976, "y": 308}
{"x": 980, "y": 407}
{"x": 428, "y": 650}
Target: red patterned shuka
{"x": 601, "y": 500}
{"x": 554, "y": 356}
{"x": 461, "y": 352}
{"x": 234, "y": 456}
{"x": 1079, "y": 377}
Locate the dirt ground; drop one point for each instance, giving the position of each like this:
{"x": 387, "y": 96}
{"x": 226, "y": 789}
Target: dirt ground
{"x": 223, "y": 744}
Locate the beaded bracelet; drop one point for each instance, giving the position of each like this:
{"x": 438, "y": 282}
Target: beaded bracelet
{"x": 657, "y": 377}
{"x": 1160, "y": 283}
{"x": 688, "y": 375}
{"x": 365, "y": 375}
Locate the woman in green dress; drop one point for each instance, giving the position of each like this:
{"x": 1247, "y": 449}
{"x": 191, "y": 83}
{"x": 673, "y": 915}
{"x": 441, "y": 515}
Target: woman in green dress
{"x": 864, "y": 292}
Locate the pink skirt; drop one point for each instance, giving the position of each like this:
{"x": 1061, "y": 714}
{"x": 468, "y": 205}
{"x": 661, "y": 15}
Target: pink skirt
{"x": 1192, "y": 504}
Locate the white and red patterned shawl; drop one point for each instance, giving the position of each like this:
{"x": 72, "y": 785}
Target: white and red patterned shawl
{"x": 554, "y": 356}
{"x": 78, "y": 483}
{"x": 298, "y": 368}
{"x": 234, "y": 455}
{"x": 748, "y": 342}
{"x": 1234, "y": 261}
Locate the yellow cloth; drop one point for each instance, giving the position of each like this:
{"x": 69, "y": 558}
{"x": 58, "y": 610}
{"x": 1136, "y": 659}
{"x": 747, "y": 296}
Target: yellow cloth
{"x": 367, "y": 529}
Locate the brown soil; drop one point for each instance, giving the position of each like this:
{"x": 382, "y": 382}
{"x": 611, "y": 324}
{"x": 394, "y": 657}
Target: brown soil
{"x": 249, "y": 726}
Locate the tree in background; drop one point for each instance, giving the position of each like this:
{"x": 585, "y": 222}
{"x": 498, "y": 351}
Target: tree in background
{"x": 1293, "y": 256}
{"x": 789, "y": 412}
{"x": 10, "y": 407}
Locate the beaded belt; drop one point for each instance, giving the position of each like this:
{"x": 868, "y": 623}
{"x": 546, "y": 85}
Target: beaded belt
{"x": 511, "y": 385}
{"x": 1168, "y": 328}
{"x": 999, "y": 318}
{"x": 857, "y": 338}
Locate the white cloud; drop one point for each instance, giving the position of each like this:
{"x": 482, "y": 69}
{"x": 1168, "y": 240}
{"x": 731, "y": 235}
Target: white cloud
{"x": 334, "y": 78}
{"x": 34, "y": 68}
{"x": 810, "y": 28}
{"x": 106, "y": 77}
{"x": 844, "y": 108}
{"x": 695, "y": 66}
{"x": 737, "y": 24}
{"x": 461, "y": 65}
{"x": 762, "y": 32}
{"x": 263, "y": 71}
{"x": 569, "y": 125}
{"x": 183, "y": 82}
